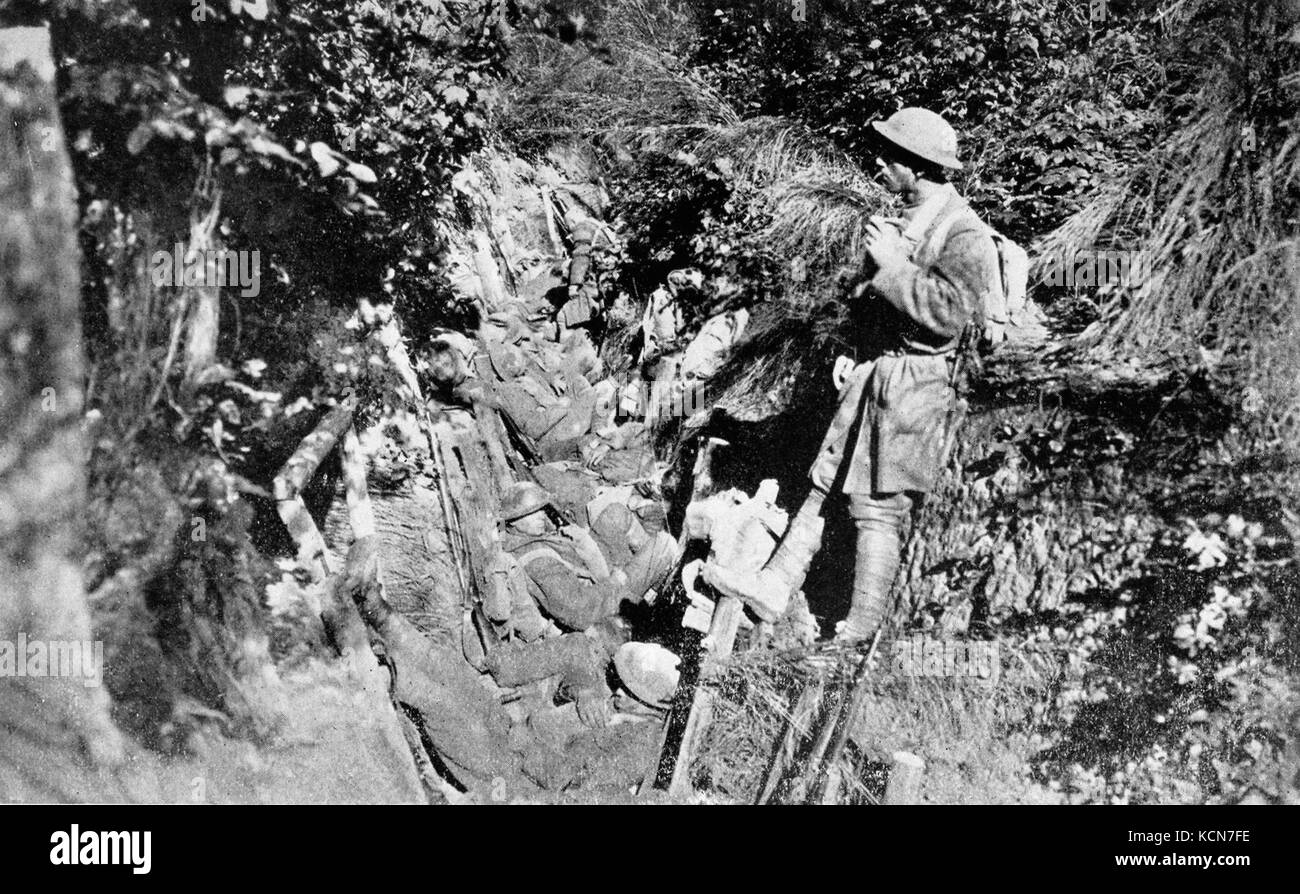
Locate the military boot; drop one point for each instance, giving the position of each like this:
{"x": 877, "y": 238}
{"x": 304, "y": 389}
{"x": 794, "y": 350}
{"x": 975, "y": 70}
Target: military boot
{"x": 880, "y": 523}
{"x": 768, "y": 591}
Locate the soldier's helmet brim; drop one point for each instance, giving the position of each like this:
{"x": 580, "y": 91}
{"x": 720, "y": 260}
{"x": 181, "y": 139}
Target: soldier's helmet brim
{"x": 648, "y": 671}
{"x": 935, "y": 142}
{"x": 523, "y": 498}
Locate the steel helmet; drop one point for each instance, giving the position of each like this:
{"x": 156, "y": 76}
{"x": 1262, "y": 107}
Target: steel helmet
{"x": 507, "y": 359}
{"x": 523, "y": 498}
{"x": 648, "y": 671}
{"x": 446, "y": 364}
{"x": 922, "y": 133}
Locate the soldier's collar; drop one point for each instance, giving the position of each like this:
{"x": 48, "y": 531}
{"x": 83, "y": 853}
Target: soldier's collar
{"x": 924, "y": 215}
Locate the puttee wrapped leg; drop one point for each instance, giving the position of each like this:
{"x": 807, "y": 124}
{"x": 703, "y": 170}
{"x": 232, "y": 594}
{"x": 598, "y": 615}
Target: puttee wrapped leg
{"x": 880, "y": 519}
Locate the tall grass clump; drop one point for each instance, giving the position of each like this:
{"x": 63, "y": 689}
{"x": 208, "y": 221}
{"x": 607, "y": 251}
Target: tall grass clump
{"x": 1213, "y": 210}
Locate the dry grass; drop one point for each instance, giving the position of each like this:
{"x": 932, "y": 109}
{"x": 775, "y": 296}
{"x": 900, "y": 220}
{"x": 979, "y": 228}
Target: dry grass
{"x": 632, "y": 82}
{"x": 638, "y": 96}
{"x": 966, "y": 731}
{"x": 1214, "y": 211}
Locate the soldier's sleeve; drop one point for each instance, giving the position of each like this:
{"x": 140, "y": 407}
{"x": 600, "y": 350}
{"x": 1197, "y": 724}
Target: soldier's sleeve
{"x": 574, "y": 603}
{"x": 526, "y": 411}
{"x": 610, "y": 531}
{"x": 943, "y": 297}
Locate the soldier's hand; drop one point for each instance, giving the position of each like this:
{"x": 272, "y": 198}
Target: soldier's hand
{"x": 885, "y": 244}
{"x": 844, "y": 367}
{"x": 594, "y": 707}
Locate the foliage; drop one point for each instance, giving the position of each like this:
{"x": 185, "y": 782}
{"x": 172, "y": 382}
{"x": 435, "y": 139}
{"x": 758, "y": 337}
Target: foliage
{"x": 1183, "y": 691}
{"x": 686, "y": 212}
{"x": 1045, "y": 103}
{"x": 1175, "y": 559}
{"x": 322, "y": 135}
{"x": 1213, "y": 207}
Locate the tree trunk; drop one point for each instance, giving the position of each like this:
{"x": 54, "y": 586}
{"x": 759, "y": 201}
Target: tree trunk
{"x": 56, "y": 736}
{"x": 204, "y": 298}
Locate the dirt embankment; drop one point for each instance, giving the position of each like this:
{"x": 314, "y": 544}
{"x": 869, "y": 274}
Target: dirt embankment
{"x": 1103, "y": 526}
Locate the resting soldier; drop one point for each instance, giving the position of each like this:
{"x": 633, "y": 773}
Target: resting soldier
{"x": 568, "y": 575}
{"x": 575, "y": 219}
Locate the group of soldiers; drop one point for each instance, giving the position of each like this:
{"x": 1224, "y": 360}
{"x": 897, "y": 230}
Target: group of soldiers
{"x": 583, "y": 535}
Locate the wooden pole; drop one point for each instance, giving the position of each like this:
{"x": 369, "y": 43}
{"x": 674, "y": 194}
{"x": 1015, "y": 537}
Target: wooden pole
{"x": 204, "y": 299}
{"x": 701, "y": 486}
{"x": 843, "y": 726}
{"x": 796, "y": 728}
{"x": 390, "y": 338}
{"x": 804, "y": 787}
{"x": 294, "y": 476}
{"x": 717, "y": 647}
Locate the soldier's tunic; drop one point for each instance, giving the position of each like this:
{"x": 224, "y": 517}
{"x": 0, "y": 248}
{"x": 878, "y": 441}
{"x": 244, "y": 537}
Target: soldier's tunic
{"x": 712, "y": 345}
{"x": 570, "y": 485}
{"x": 555, "y": 409}
{"x": 903, "y": 399}
{"x": 580, "y": 207}
{"x": 680, "y": 377}
{"x": 567, "y": 576}
{"x": 620, "y": 456}
{"x": 618, "y": 519}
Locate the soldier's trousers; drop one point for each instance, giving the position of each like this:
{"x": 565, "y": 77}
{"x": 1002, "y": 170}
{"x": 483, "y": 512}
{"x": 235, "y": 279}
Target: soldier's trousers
{"x": 880, "y": 520}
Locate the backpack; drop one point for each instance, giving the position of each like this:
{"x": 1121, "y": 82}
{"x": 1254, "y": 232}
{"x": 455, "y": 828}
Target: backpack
{"x": 1004, "y": 306}
{"x": 1002, "y": 303}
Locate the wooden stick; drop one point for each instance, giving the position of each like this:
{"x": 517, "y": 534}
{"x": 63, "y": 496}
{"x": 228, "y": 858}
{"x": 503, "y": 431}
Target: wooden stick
{"x": 390, "y": 338}
{"x": 717, "y": 647}
{"x": 361, "y": 514}
{"x": 842, "y": 725}
{"x": 701, "y": 485}
{"x": 834, "y": 784}
{"x": 804, "y": 785}
{"x": 312, "y": 451}
{"x": 293, "y": 477}
{"x": 796, "y": 728}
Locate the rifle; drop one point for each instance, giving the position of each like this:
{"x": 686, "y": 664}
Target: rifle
{"x": 843, "y": 726}
{"x": 959, "y": 407}
{"x": 828, "y": 742}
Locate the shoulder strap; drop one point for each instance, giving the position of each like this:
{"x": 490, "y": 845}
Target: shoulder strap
{"x": 939, "y": 235}
{"x": 1013, "y": 263}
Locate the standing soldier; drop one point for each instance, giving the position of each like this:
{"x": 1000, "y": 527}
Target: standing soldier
{"x": 897, "y": 411}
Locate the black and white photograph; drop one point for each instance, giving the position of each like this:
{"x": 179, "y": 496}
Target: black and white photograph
{"x": 650, "y": 402}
